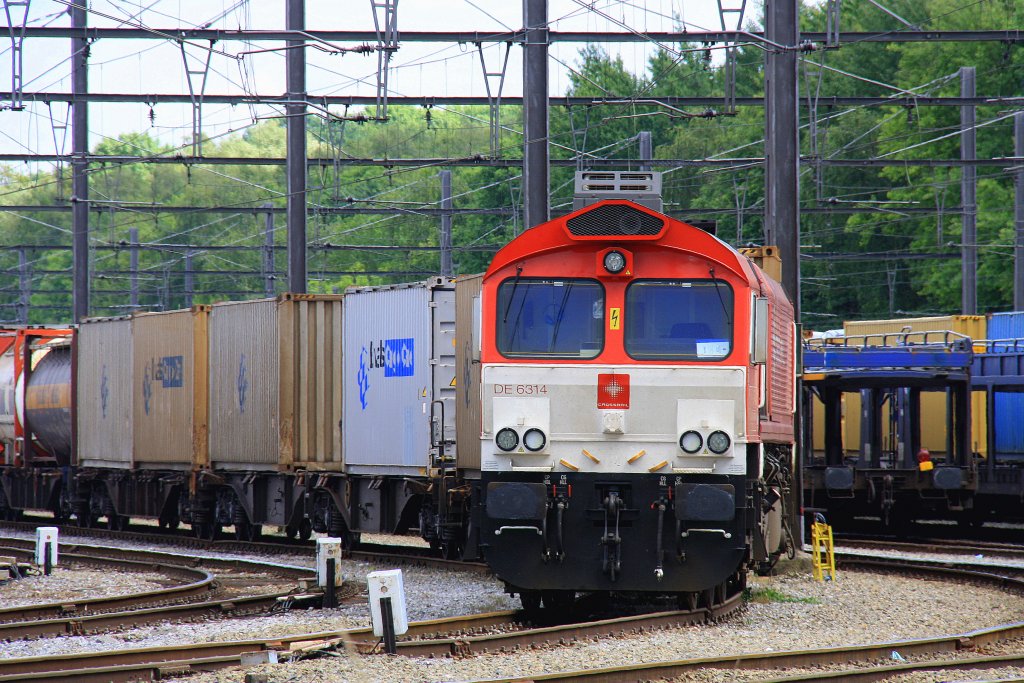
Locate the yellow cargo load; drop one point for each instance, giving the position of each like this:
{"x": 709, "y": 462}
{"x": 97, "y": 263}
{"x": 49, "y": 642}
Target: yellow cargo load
{"x": 933, "y": 405}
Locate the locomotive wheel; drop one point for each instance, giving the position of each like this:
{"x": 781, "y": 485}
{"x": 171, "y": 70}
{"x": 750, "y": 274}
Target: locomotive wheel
{"x": 531, "y": 602}
{"x": 688, "y": 600}
{"x": 558, "y": 600}
{"x": 305, "y": 529}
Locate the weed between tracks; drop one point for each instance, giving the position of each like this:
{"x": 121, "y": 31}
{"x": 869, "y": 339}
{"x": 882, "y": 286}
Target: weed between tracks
{"x": 767, "y": 594}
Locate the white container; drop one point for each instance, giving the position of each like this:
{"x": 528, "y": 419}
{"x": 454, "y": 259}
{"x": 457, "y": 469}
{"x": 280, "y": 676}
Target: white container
{"x": 387, "y": 584}
{"x": 399, "y": 357}
{"x": 328, "y": 548}
{"x": 46, "y": 536}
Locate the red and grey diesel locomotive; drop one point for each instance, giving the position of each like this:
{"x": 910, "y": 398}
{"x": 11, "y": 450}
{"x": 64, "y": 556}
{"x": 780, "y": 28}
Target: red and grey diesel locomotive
{"x": 608, "y": 408}
{"x": 637, "y": 398}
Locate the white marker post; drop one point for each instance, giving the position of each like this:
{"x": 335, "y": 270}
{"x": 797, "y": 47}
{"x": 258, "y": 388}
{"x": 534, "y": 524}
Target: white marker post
{"x": 328, "y": 561}
{"x": 387, "y": 606}
{"x": 46, "y": 548}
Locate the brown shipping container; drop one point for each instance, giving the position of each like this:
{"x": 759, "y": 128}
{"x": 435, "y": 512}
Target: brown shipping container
{"x": 170, "y": 377}
{"x": 275, "y": 383}
{"x": 104, "y": 388}
{"x": 933, "y": 404}
{"x": 467, "y": 371}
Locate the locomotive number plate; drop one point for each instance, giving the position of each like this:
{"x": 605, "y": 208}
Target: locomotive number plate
{"x": 521, "y": 389}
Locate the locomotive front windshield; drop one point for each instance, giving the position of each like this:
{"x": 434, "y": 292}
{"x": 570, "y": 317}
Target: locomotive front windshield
{"x": 550, "y": 318}
{"x": 679, "y": 319}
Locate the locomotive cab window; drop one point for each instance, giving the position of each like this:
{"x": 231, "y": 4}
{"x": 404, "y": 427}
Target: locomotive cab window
{"x": 679, "y": 319}
{"x": 539, "y": 318}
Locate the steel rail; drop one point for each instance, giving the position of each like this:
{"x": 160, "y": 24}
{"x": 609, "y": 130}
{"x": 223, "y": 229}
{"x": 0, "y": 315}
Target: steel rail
{"x": 819, "y": 656}
{"x": 563, "y": 634}
{"x": 154, "y": 662}
{"x": 199, "y": 583}
{"x": 81, "y": 624}
{"x": 881, "y": 673}
{"x": 226, "y": 653}
{"x": 160, "y": 557}
{"x": 364, "y": 552}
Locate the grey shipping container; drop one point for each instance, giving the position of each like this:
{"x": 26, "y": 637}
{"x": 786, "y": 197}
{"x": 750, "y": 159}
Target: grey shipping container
{"x": 170, "y": 375}
{"x": 467, "y": 381}
{"x": 275, "y": 383}
{"x": 399, "y": 358}
{"x": 104, "y": 392}
{"x": 1009, "y": 406}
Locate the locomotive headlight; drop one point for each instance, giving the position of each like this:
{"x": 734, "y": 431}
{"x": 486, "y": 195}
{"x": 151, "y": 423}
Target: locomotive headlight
{"x": 719, "y": 442}
{"x": 691, "y": 441}
{"x": 534, "y": 440}
{"x": 614, "y": 262}
{"x": 507, "y": 439}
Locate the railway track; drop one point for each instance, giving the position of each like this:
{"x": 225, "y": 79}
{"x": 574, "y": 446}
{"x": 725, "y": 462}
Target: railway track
{"x": 198, "y": 593}
{"x": 453, "y": 637}
{"x": 462, "y": 637}
{"x": 1014, "y": 551}
{"x": 366, "y": 552}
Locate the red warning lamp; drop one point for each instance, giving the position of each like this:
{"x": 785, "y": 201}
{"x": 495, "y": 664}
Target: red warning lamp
{"x": 924, "y": 460}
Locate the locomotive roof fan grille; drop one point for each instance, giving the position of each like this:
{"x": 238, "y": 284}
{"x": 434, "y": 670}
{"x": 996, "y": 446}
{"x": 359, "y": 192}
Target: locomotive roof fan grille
{"x": 642, "y": 187}
{"x": 614, "y": 220}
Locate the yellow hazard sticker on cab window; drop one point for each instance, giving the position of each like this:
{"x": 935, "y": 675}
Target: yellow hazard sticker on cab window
{"x": 614, "y": 318}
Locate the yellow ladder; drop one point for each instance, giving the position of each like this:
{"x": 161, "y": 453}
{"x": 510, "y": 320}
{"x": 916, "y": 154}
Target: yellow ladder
{"x": 823, "y": 557}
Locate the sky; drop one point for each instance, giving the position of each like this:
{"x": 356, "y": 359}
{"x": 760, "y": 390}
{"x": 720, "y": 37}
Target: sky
{"x": 158, "y": 66}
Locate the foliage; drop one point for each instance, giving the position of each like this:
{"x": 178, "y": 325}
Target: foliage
{"x": 767, "y": 594}
{"x": 859, "y": 223}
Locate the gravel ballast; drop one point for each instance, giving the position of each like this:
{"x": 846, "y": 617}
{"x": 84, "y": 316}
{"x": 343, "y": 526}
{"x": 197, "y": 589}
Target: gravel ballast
{"x": 71, "y": 584}
{"x": 800, "y": 613}
{"x": 787, "y": 613}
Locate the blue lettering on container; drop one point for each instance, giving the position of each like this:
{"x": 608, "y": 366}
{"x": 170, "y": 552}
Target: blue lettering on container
{"x": 147, "y": 389}
{"x": 104, "y": 391}
{"x": 398, "y": 357}
{"x": 363, "y": 378}
{"x": 243, "y": 383}
{"x": 169, "y": 371}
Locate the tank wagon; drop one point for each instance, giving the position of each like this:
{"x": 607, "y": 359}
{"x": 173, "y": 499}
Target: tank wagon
{"x": 609, "y": 407}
